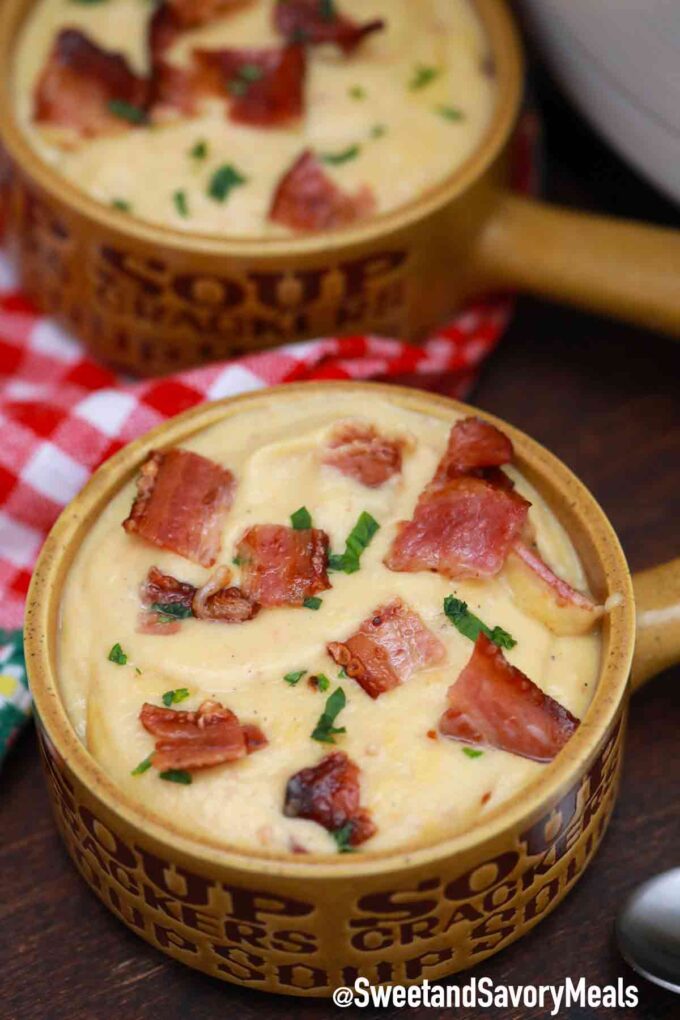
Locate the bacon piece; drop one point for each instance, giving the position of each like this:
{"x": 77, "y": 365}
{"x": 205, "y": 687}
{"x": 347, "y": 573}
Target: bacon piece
{"x": 281, "y": 566}
{"x": 475, "y": 447}
{"x": 156, "y": 623}
{"x": 545, "y": 596}
{"x": 464, "y": 528}
{"x": 181, "y": 501}
{"x": 307, "y": 199}
{"x": 319, "y": 21}
{"x": 79, "y": 82}
{"x": 358, "y": 450}
{"x": 196, "y": 740}
{"x": 264, "y": 86}
{"x": 216, "y": 600}
{"x": 387, "y": 649}
{"x": 328, "y": 794}
{"x": 190, "y": 13}
{"x": 166, "y": 590}
{"x": 494, "y": 704}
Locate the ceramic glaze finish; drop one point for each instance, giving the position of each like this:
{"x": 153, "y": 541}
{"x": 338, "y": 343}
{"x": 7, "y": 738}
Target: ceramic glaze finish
{"x": 231, "y": 914}
{"x": 417, "y": 789}
{"x": 418, "y": 146}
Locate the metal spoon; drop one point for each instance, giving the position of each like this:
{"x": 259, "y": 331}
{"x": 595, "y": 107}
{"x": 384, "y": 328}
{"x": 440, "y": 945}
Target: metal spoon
{"x": 648, "y": 930}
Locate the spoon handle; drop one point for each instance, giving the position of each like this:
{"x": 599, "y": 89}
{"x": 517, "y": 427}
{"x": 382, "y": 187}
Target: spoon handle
{"x": 657, "y": 600}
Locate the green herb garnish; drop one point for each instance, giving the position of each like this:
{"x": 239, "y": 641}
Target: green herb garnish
{"x": 126, "y": 111}
{"x": 472, "y": 752}
{"x": 223, "y": 181}
{"x": 177, "y": 776}
{"x": 175, "y": 610}
{"x": 294, "y": 677}
{"x": 117, "y": 655}
{"x": 342, "y": 837}
{"x": 173, "y": 697}
{"x": 470, "y": 625}
{"x": 327, "y": 10}
{"x": 422, "y": 76}
{"x": 325, "y": 731}
{"x": 344, "y": 156}
{"x": 450, "y": 112}
{"x": 87, "y": 2}
{"x": 181, "y": 204}
{"x": 378, "y": 130}
{"x": 357, "y": 92}
{"x": 358, "y": 539}
{"x": 313, "y": 602}
{"x": 138, "y": 671}
{"x": 322, "y": 682}
{"x": 143, "y": 766}
{"x": 341, "y": 674}
{"x": 121, "y": 205}
{"x": 199, "y": 150}
{"x": 236, "y": 560}
{"x": 301, "y": 519}
{"x": 244, "y": 78}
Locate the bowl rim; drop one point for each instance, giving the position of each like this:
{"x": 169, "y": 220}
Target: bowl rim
{"x": 506, "y": 51}
{"x": 513, "y": 815}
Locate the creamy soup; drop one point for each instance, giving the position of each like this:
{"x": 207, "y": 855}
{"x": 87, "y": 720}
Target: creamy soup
{"x": 417, "y": 784}
{"x": 394, "y": 117}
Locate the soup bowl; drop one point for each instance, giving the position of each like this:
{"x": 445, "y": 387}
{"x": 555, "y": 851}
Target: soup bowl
{"x": 307, "y": 924}
{"x": 150, "y": 299}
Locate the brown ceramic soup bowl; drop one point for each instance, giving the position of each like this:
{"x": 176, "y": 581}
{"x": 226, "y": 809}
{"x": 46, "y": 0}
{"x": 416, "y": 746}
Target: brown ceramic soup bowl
{"x": 152, "y": 300}
{"x": 305, "y": 925}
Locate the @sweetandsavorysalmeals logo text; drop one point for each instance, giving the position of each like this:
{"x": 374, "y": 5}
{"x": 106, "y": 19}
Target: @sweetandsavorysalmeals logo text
{"x": 484, "y": 993}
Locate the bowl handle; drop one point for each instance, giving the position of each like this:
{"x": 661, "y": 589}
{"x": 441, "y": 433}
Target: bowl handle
{"x": 657, "y": 601}
{"x": 618, "y": 267}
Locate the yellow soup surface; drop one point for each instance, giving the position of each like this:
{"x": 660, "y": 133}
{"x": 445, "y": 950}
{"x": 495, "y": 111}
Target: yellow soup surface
{"x": 413, "y": 102}
{"x": 417, "y": 789}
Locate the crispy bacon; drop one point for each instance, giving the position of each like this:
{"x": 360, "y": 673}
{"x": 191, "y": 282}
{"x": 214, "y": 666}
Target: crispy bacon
{"x": 281, "y": 566}
{"x": 307, "y": 199}
{"x": 216, "y": 600}
{"x": 387, "y": 649}
{"x": 475, "y": 447}
{"x": 547, "y": 597}
{"x": 166, "y": 589}
{"x": 181, "y": 502}
{"x": 328, "y": 794}
{"x": 197, "y": 740}
{"x": 493, "y": 704}
{"x": 79, "y": 83}
{"x": 465, "y": 528}
{"x": 319, "y": 21}
{"x": 190, "y": 13}
{"x": 358, "y": 450}
{"x": 152, "y": 622}
{"x": 263, "y": 86}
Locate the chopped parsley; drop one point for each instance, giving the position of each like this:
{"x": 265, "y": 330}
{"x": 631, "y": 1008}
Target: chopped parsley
{"x": 181, "y": 204}
{"x": 344, "y": 156}
{"x": 84, "y": 2}
{"x": 236, "y": 560}
{"x": 138, "y": 671}
{"x": 173, "y": 697}
{"x": 422, "y": 76}
{"x": 322, "y": 682}
{"x": 117, "y": 655}
{"x": 472, "y": 752}
{"x": 301, "y": 519}
{"x": 244, "y": 78}
{"x": 450, "y": 112}
{"x": 325, "y": 731}
{"x": 470, "y": 625}
{"x": 223, "y": 181}
{"x": 143, "y": 766}
{"x": 174, "y": 610}
{"x": 199, "y": 150}
{"x": 176, "y": 776}
{"x": 313, "y": 602}
{"x": 357, "y": 92}
{"x": 358, "y": 539}
{"x": 327, "y": 10}
{"x": 121, "y": 205}
{"x": 295, "y": 677}
{"x": 341, "y": 674}
{"x": 127, "y": 111}
{"x": 342, "y": 838}
{"x": 378, "y": 130}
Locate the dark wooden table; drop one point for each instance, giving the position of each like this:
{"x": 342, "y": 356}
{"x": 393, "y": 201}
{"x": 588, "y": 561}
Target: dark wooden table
{"x": 604, "y": 398}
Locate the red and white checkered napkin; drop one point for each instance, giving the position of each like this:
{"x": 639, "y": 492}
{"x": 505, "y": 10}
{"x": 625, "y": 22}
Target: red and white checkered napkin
{"x": 62, "y": 414}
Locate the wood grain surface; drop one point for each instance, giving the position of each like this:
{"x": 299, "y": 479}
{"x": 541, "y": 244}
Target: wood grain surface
{"x": 605, "y": 398}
